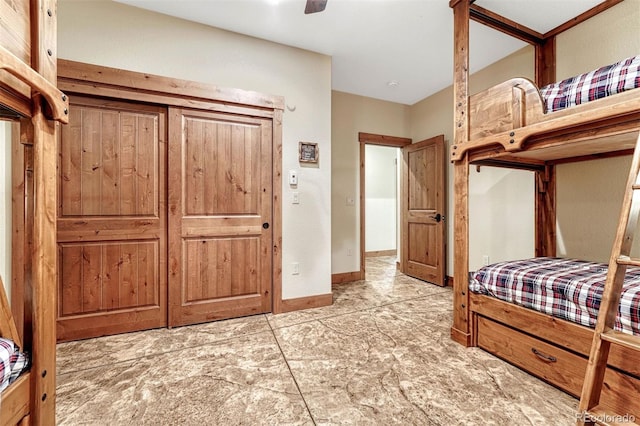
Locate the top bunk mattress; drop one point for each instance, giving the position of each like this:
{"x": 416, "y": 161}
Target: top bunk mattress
{"x": 605, "y": 81}
{"x": 569, "y": 289}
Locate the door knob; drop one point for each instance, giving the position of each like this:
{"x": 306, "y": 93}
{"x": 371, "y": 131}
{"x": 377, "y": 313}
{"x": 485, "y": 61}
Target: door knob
{"x": 265, "y": 225}
{"x": 438, "y": 217}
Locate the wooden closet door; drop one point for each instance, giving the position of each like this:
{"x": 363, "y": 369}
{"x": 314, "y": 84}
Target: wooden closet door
{"x": 220, "y": 212}
{"x": 111, "y": 219}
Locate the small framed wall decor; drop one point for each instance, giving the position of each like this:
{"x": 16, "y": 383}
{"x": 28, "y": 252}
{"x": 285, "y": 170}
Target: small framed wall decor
{"x": 308, "y": 152}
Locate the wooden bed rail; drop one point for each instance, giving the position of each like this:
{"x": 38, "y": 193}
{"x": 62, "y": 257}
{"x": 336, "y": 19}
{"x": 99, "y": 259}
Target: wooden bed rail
{"x": 58, "y": 101}
{"x": 618, "y": 113}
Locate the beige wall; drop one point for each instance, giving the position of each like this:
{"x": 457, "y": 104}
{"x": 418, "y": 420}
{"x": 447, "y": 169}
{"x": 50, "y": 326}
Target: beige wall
{"x": 108, "y": 33}
{"x": 351, "y": 114}
{"x": 590, "y": 193}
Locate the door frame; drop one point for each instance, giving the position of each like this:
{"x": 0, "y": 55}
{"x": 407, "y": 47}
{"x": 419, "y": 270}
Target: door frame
{"x": 372, "y": 139}
{"x": 94, "y": 80}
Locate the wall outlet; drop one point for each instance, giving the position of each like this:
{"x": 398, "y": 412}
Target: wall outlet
{"x": 295, "y": 268}
{"x": 485, "y": 260}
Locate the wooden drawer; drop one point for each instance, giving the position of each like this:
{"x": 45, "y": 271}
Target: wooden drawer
{"x": 557, "y": 366}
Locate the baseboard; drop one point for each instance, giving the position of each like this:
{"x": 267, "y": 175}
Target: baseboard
{"x": 300, "y": 303}
{"x": 448, "y": 281}
{"x": 346, "y": 277}
{"x": 380, "y": 253}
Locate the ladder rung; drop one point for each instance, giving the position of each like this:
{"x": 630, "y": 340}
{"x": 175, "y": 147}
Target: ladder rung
{"x": 626, "y": 260}
{"x": 623, "y": 339}
{"x": 601, "y": 416}
{"x": 635, "y": 186}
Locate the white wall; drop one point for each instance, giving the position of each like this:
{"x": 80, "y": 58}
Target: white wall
{"x": 111, "y": 34}
{"x": 380, "y": 197}
{"x": 5, "y": 205}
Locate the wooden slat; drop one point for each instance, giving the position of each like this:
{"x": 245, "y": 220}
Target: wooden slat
{"x": 384, "y": 140}
{"x": 504, "y": 25}
{"x": 15, "y": 400}
{"x": 627, "y": 340}
{"x": 626, "y": 260}
{"x": 44, "y": 271}
{"x": 276, "y": 248}
{"x": 460, "y": 329}
{"x": 545, "y": 211}
{"x": 154, "y": 84}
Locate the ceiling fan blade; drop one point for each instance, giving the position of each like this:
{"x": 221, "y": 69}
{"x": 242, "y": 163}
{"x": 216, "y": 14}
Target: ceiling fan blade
{"x": 314, "y": 6}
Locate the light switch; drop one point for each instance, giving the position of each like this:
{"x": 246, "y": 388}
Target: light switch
{"x": 293, "y": 177}
{"x": 295, "y": 198}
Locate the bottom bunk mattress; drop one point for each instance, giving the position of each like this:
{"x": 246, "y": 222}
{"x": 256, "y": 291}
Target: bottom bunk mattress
{"x": 569, "y": 289}
{"x": 12, "y": 362}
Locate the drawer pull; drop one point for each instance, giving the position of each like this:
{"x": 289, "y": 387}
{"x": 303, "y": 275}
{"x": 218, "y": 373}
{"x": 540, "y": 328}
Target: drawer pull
{"x": 542, "y": 356}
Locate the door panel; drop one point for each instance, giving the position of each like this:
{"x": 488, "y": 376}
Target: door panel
{"x": 221, "y": 195}
{"x": 422, "y": 207}
{"x": 111, "y": 219}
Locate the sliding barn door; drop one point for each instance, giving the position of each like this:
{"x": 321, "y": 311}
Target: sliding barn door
{"x": 111, "y": 219}
{"x": 220, "y": 213}
{"x": 422, "y": 210}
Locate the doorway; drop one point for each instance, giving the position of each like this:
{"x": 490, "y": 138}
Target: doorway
{"x": 422, "y": 205}
{"x": 381, "y": 201}
{"x": 388, "y": 143}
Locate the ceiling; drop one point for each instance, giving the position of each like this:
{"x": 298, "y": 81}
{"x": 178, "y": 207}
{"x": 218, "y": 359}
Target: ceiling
{"x": 374, "y": 43}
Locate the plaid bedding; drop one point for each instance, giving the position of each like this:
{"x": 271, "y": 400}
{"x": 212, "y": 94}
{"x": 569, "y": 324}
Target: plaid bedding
{"x": 12, "y": 362}
{"x": 569, "y": 289}
{"x": 605, "y": 81}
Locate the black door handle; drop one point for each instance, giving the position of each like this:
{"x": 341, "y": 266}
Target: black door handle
{"x": 437, "y": 217}
{"x": 265, "y": 225}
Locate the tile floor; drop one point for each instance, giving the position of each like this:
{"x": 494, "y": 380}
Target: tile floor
{"x": 381, "y": 354}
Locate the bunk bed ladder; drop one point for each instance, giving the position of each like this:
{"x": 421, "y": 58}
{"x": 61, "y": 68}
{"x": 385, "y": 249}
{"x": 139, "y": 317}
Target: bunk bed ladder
{"x": 590, "y": 412}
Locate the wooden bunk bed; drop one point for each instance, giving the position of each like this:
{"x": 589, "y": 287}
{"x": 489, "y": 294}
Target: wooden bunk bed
{"x": 29, "y": 99}
{"x": 507, "y": 126}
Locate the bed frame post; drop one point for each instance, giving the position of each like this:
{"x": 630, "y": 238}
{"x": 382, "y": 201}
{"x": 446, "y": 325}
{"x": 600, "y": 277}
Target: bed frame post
{"x": 44, "y": 261}
{"x": 545, "y": 60}
{"x": 461, "y": 329}
{"x": 545, "y": 205}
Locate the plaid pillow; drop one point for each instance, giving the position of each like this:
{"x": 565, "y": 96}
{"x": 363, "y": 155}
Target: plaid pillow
{"x": 605, "y": 81}
{"x": 12, "y": 362}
